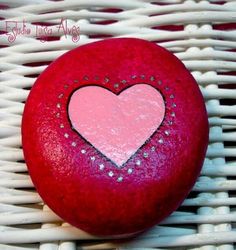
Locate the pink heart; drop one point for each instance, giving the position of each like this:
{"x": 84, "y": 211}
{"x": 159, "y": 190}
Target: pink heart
{"x": 116, "y": 125}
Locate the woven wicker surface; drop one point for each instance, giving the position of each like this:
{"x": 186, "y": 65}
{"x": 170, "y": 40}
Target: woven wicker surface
{"x": 202, "y": 34}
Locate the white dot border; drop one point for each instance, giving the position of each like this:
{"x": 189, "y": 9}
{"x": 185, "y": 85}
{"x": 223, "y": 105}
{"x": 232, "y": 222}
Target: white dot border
{"x": 106, "y": 80}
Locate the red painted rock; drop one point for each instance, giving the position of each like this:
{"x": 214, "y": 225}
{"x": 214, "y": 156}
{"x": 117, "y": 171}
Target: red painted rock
{"x": 114, "y": 135}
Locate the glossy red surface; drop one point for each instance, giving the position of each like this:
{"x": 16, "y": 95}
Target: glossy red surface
{"x": 79, "y": 183}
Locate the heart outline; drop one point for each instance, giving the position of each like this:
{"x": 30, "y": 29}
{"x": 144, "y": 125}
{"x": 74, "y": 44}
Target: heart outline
{"x": 117, "y": 94}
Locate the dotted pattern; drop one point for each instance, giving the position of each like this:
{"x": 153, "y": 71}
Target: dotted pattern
{"x": 105, "y": 81}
